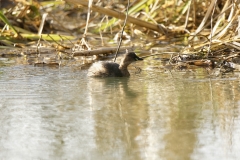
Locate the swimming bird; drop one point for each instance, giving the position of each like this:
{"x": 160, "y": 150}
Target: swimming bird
{"x": 112, "y": 69}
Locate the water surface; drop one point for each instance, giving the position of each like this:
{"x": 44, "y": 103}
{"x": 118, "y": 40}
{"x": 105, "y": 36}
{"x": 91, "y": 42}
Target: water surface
{"x": 59, "y": 113}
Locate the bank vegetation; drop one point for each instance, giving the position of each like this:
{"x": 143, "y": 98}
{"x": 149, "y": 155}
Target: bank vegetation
{"x": 208, "y": 29}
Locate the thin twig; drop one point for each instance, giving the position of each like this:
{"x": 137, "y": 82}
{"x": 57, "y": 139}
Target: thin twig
{"x": 120, "y": 40}
{"x": 44, "y": 16}
{"x": 187, "y": 16}
{"x": 211, "y": 34}
{"x": 83, "y": 42}
{"x": 88, "y": 16}
{"x": 39, "y": 44}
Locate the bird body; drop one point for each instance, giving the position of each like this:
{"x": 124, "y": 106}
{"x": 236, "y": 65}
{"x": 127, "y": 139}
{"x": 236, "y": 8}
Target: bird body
{"x": 112, "y": 69}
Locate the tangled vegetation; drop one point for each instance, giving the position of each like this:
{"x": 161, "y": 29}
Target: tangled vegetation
{"x": 210, "y": 29}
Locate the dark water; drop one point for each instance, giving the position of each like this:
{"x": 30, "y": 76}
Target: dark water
{"x": 59, "y": 113}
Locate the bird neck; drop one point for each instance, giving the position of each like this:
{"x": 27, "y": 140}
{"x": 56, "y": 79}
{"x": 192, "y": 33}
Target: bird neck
{"x": 123, "y": 69}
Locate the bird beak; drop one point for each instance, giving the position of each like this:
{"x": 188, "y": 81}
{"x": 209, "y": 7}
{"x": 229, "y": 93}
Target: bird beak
{"x": 138, "y": 59}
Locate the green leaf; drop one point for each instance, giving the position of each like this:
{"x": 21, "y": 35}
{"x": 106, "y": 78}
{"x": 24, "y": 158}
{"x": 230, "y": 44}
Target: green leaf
{"x": 5, "y": 20}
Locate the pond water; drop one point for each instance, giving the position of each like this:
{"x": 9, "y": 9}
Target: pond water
{"x": 60, "y": 113}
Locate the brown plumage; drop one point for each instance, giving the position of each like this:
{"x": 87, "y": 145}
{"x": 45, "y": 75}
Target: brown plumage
{"x": 112, "y": 69}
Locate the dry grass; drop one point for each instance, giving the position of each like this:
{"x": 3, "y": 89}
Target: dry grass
{"x": 211, "y": 27}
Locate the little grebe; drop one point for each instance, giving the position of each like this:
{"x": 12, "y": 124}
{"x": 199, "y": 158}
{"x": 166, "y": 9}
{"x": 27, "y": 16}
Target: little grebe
{"x": 112, "y": 69}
